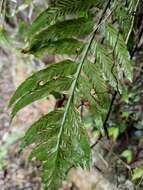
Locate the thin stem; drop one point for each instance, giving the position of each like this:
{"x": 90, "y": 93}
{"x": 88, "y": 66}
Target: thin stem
{"x": 108, "y": 114}
{"x": 119, "y": 158}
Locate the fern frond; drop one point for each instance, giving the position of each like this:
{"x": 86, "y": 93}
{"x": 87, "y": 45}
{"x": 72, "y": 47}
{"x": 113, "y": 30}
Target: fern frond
{"x": 46, "y": 17}
{"x": 99, "y": 85}
{"x": 133, "y": 9}
{"x": 93, "y": 88}
{"x": 74, "y": 6}
{"x": 59, "y": 137}
{"x": 63, "y": 152}
{"x": 61, "y": 85}
{"x": 78, "y": 27}
{"x": 125, "y": 17}
{"x": 97, "y": 108}
{"x": 124, "y": 20}
{"x": 33, "y": 134}
{"x": 44, "y": 82}
{"x": 95, "y": 75}
{"x": 105, "y": 60}
{"x": 67, "y": 46}
{"x": 60, "y": 9}
{"x": 117, "y": 42}
{"x": 54, "y": 71}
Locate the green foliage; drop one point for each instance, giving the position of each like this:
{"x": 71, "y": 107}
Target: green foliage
{"x": 63, "y": 148}
{"x": 42, "y": 83}
{"x": 114, "y": 132}
{"x": 94, "y": 89}
{"x": 98, "y": 63}
{"x": 59, "y": 10}
{"x": 64, "y": 29}
{"x": 117, "y": 42}
{"x": 138, "y": 173}
{"x": 128, "y": 155}
{"x": 65, "y": 46}
{"x": 105, "y": 61}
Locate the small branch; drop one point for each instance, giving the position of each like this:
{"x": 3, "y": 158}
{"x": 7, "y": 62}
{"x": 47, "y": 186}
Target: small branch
{"x": 119, "y": 158}
{"x": 108, "y": 114}
{"x": 81, "y": 110}
{"x": 96, "y": 142}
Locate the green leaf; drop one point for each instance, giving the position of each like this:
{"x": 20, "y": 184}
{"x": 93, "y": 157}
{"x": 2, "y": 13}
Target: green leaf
{"x": 61, "y": 69}
{"x": 74, "y": 6}
{"x": 69, "y": 46}
{"x": 137, "y": 173}
{"x": 41, "y": 21}
{"x": 114, "y": 132}
{"x": 117, "y": 42}
{"x": 47, "y": 123}
{"x": 124, "y": 20}
{"x": 59, "y": 9}
{"x": 86, "y": 93}
{"x": 77, "y": 27}
{"x": 128, "y": 155}
{"x": 95, "y": 76}
{"x": 42, "y": 91}
{"x": 58, "y": 153}
{"x": 105, "y": 62}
